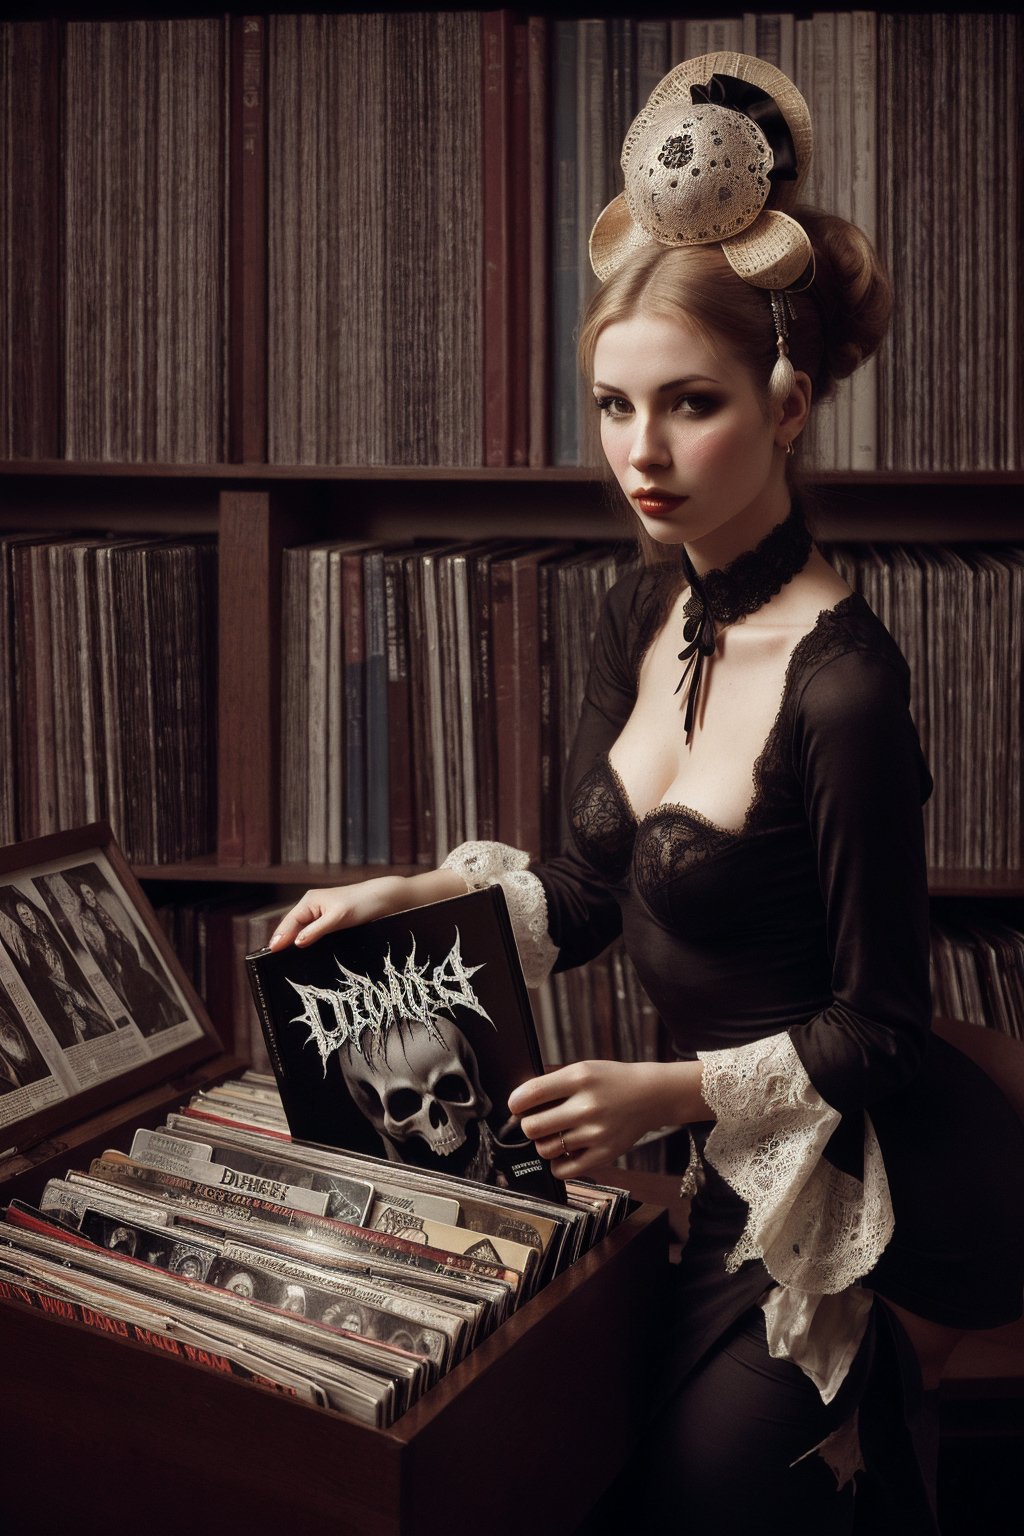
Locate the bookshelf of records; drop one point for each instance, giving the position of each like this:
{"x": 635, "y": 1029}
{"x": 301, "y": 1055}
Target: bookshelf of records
{"x": 302, "y": 538}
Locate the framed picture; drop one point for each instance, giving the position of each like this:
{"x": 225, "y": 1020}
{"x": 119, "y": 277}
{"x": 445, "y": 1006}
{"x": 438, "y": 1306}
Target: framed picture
{"x": 94, "y": 1005}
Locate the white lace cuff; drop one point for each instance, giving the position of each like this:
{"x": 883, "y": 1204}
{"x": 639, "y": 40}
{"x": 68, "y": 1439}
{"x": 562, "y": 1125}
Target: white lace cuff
{"x": 817, "y": 1230}
{"x": 482, "y": 864}
{"x": 814, "y": 1227}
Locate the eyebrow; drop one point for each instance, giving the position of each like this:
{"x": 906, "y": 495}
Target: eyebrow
{"x": 691, "y": 378}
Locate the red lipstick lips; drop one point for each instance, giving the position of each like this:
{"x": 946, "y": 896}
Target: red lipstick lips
{"x": 657, "y": 503}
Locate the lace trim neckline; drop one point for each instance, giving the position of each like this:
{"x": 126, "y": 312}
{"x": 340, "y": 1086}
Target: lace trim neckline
{"x": 676, "y": 807}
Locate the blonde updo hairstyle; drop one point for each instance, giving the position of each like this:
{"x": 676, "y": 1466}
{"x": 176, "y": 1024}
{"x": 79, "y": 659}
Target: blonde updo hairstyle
{"x": 838, "y": 322}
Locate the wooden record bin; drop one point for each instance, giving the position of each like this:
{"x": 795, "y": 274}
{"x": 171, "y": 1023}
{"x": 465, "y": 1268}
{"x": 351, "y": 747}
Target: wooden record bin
{"x": 102, "y": 1434}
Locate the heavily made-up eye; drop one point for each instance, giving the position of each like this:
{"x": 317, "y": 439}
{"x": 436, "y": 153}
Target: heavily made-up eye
{"x": 613, "y": 405}
{"x": 696, "y": 405}
{"x": 618, "y": 408}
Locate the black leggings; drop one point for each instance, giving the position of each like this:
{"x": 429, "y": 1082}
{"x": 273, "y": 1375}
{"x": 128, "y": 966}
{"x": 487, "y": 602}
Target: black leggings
{"x": 722, "y": 1457}
{"x": 727, "y": 1454}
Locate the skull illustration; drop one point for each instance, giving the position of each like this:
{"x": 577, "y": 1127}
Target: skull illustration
{"x": 422, "y": 1085}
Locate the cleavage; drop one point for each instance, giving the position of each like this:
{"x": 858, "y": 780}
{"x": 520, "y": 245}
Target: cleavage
{"x": 713, "y": 778}
{"x": 717, "y": 785}
{"x": 667, "y": 810}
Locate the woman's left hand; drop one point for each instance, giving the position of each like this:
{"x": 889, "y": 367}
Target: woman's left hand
{"x": 586, "y": 1115}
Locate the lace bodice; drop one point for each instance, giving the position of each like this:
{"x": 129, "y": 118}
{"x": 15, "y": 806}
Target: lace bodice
{"x": 653, "y": 851}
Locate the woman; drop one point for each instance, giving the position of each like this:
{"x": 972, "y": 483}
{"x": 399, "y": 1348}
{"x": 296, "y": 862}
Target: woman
{"x": 48, "y": 970}
{"x": 146, "y": 1001}
{"x": 20, "y": 1062}
{"x": 745, "y": 797}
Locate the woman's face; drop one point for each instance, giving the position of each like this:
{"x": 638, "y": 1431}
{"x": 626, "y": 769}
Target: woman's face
{"x": 12, "y": 1043}
{"x": 687, "y": 437}
{"x": 27, "y": 916}
{"x": 88, "y": 895}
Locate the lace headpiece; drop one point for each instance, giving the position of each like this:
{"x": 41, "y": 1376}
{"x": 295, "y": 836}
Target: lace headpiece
{"x": 717, "y": 155}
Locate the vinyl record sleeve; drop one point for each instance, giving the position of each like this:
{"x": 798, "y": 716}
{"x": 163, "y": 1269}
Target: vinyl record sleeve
{"x": 404, "y": 1037}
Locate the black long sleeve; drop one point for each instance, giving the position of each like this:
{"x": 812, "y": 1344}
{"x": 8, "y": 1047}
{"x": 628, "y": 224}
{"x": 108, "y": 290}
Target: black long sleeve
{"x": 856, "y": 753}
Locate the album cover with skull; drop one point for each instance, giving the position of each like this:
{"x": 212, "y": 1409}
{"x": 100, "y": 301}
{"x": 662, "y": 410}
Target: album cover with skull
{"x": 404, "y": 1037}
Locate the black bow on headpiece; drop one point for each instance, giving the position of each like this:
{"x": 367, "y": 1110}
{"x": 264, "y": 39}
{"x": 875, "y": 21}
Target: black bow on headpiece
{"x": 741, "y": 96}
{"x": 699, "y": 632}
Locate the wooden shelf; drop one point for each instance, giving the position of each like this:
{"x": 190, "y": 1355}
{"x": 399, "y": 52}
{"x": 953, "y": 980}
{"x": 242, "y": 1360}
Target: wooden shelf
{"x": 977, "y": 882}
{"x": 989, "y": 1359}
{"x": 271, "y": 874}
{"x": 273, "y": 473}
{"x": 1008, "y": 884}
{"x": 309, "y": 502}
{"x": 547, "y": 474}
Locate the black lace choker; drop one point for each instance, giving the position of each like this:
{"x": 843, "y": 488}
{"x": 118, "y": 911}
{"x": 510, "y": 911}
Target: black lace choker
{"x": 719, "y": 598}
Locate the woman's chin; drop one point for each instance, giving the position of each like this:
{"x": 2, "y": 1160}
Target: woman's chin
{"x": 662, "y": 531}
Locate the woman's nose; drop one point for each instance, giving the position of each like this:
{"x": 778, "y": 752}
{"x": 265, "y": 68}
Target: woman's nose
{"x": 649, "y": 448}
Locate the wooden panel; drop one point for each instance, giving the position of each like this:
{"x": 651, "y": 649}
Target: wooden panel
{"x": 551, "y": 1406}
{"x": 255, "y": 526}
{"x": 147, "y": 1442}
{"x": 248, "y": 708}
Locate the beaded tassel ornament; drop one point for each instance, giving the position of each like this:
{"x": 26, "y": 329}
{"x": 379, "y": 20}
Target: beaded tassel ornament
{"x": 780, "y": 385}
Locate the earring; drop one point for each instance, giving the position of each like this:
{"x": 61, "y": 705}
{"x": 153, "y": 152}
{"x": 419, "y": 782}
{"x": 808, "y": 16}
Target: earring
{"x": 790, "y": 450}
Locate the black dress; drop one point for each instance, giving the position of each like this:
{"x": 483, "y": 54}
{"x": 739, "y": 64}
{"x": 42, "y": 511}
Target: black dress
{"x": 811, "y": 922}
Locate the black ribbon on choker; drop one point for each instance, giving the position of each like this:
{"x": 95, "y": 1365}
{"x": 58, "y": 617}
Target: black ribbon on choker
{"x": 741, "y": 96}
{"x": 722, "y": 597}
{"x": 699, "y": 632}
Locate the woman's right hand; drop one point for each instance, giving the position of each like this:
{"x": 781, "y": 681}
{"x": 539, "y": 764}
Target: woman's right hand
{"x": 345, "y": 906}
